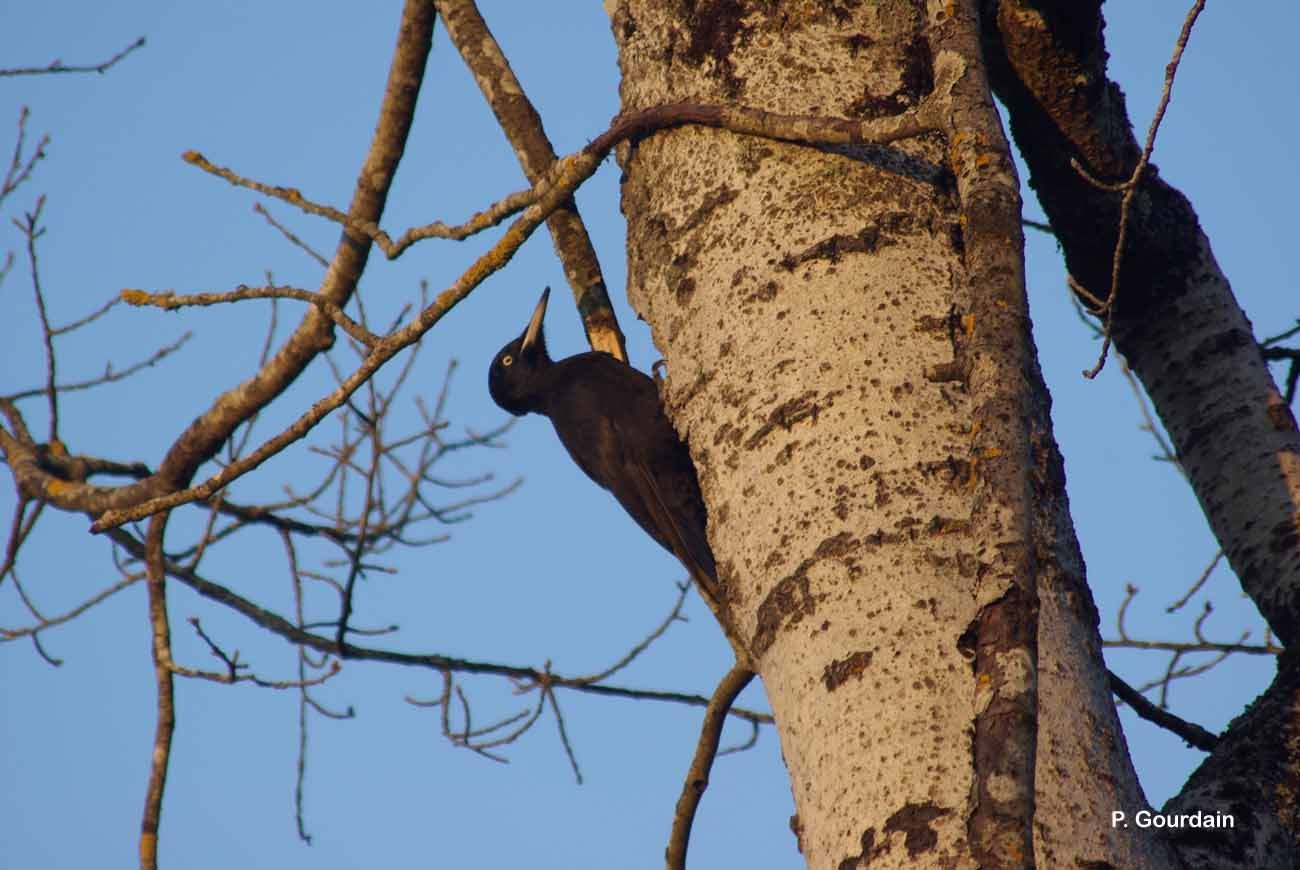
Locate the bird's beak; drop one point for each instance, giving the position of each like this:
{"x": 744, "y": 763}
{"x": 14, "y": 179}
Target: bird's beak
{"x": 535, "y": 325}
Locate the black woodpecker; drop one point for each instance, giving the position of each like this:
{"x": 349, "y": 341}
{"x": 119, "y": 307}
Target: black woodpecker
{"x": 609, "y": 418}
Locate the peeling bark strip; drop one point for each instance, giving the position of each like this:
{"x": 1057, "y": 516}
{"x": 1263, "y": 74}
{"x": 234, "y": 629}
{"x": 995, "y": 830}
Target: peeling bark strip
{"x": 1006, "y": 697}
{"x": 1000, "y": 369}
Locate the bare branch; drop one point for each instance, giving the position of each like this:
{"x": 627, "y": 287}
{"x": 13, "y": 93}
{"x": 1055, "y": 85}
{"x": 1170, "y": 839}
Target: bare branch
{"x": 1194, "y": 734}
{"x": 697, "y": 778}
{"x": 20, "y": 168}
{"x": 109, "y": 376}
{"x": 169, "y": 301}
{"x": 32, "y": 231}
{"x": 166, "y": 709}
{"x": 58, "y": 66}
{"x": 291, "y": 237}
{"x": 7, "y": 634}
{"x": 277, "y": 624}
{"x": 523, "y": 127}
{"x": 1130, "y": 186}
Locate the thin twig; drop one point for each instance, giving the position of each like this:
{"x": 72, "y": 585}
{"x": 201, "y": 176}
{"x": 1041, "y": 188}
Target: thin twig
{"x": 291, "y": 237}
{"x": 1196, "y": 587}
{"x": 7, "y": 634}
{"x": 1130, "y": 186}
{"x": 58, "y": 66}
{"x": 110, "y": 376}
{"x": 1194, "y": 734}
{"x": 20, "y": 168}
{"x": 278, "y": 625}
{"x": 32, "y": 231}
{"x": 169, "y": 301}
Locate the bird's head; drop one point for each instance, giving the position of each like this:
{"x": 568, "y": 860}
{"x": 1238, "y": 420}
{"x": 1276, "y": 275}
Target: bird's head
{"x": 515, "y": 377}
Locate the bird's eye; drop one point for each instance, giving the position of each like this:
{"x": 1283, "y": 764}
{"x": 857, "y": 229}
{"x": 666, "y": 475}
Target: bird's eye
{"x": 507, "y": 360}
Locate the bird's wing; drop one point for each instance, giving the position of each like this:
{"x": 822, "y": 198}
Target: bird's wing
{"x": 666, "y": 494}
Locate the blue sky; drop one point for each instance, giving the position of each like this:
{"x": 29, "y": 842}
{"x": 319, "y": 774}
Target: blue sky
{"x": 287, "y": 93}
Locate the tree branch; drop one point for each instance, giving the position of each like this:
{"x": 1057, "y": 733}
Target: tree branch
{"x": 58, "y": 66}
{"x": 1194, "y": 734}
{"x": 697, "y": 778}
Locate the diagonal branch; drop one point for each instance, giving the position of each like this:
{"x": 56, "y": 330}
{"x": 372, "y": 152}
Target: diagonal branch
{"x": 59, "y": 66}
{"x": 697, "y": 778}
{"x": 523, "y": 127}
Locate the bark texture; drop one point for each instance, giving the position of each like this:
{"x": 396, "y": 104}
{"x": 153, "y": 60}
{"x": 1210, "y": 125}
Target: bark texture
{"x": 849, "y": 360}
{"x": 1176, "y": 320}
{"x": 1179, "y": 326}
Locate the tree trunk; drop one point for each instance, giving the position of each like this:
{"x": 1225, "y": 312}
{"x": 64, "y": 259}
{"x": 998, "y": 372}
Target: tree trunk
{"x": 850, "y": 361}
{"x": 1180, "y": 328}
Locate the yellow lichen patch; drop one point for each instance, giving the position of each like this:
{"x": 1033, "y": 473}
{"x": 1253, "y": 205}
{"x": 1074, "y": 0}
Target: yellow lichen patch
{"x": 55, "y": 487}
{"x": 135, "y": 297}
{"x": 58, "y": 448}
{"x": 968, "y": 324}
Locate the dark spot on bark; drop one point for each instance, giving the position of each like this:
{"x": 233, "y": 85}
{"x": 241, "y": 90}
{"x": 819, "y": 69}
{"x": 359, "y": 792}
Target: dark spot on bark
{"x": 916, "y": 80}
{"x": 948, "y": 372}
{"x": 784, "y": 416}
{"x": 946, "y": 526}
{"x": 878, "y": 539}
{"x": 796, "y": 828}
{"x": 957, "y": 238}
{"x": 792, "y": 599}
{"x": 867, "y": 240}
{"x": 967, "y": 642}
{"x": 913, "y": 821}
{"x": 931, "y": 325}
{"x": 918, "y": 69}
{"x": 1209, "y": 427}
{"x": 685, "y": 290}
{"x": 766, "y": 293}
{"x": 865, "y": 462}
{"x": 727, "y": 585}
{"x": 836, "y": 546}
{"x": 859, "y": 42}
{"x": 953, "y": 471}
{"x": 713, "y": 201}
{"x": 789, "y": 601}
{"x": 863, "y": 858}
{"x": 1284, "y": 537}
{"x": 715, "y": 26}
{"x": 838, "y": 672}
{"x": 1222, "y": 343}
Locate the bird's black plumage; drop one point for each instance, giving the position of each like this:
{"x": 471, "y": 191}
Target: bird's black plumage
{"x": 609, "y": 417}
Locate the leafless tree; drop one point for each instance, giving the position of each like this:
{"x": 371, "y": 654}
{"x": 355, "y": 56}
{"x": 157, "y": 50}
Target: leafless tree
{"x": 825, "y": 234}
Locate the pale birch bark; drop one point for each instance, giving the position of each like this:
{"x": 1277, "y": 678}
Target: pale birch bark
{"x": 876, "y": 457}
